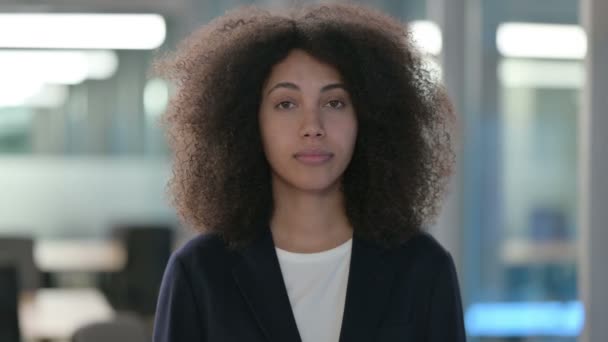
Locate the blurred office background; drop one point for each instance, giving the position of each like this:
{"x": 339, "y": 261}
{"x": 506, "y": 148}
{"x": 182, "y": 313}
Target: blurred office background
{"x": 83, "y": 161}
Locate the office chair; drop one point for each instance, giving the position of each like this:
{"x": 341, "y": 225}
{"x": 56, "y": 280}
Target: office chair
{"x": 9, "y": 301}
{"x": 125, "y": 328}
{"x": 135, "y": 288}
{"x": 19, "y": 251}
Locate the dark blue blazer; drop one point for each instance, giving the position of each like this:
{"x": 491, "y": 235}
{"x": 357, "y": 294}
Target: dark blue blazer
{"x": 212, "y": 294}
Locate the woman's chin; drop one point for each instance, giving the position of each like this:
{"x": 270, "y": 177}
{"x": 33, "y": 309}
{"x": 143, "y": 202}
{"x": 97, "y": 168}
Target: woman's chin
{"x": 310, "y": 185}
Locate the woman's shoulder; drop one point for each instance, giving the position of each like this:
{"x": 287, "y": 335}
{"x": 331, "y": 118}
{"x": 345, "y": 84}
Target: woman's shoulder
{"x": 202, "y": 249}
{"x": 208, "y": 242}
{"x": 425, "y": 241}
{"x": 423, "y": 249}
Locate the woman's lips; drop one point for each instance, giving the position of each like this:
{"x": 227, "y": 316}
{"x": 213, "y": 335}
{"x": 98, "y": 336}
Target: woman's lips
{"x": 313, "y": 158}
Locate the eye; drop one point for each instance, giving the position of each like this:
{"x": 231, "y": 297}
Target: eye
{"x": 336, "y": 104}
{"x": 285, "y": 105}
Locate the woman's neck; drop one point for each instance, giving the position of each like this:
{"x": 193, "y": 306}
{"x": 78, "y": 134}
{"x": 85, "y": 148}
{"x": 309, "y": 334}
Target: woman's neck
{"x": 308, "y": 222}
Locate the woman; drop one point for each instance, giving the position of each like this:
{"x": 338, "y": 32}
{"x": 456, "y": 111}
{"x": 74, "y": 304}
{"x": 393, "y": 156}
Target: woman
{"x": 311, "y": 148}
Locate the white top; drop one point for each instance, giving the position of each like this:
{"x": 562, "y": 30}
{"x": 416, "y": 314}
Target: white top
{"x": 316, "y": 285}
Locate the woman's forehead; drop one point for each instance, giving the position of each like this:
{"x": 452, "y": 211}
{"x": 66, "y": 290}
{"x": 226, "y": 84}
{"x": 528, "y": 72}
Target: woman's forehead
{"x": 301, "y": 67}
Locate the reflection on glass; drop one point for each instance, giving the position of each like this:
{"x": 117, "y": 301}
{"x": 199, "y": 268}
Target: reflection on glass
{"x": 537, "y": 255}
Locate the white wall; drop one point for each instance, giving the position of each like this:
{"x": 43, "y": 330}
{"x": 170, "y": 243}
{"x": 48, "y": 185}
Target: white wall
{"x": 59, "y": 197}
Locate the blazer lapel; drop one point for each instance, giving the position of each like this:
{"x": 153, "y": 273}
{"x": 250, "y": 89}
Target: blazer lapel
{"x": 368, "y": 290}
{"x": 258, "y": 276}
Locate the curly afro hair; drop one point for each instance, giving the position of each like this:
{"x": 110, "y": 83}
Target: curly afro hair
{"x": 402, "y": 160}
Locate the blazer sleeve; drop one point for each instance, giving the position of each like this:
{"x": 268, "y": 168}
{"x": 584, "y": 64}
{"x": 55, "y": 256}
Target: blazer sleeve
{"x": 446, "y": 322}
{"x": 177, "y": 316}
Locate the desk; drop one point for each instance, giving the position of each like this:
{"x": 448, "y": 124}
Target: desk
{"x": 57, "y": 256}
{"x": 55, "y": 314}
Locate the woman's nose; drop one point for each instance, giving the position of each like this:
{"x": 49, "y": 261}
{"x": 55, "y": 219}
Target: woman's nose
{"x": 312, "y": 125}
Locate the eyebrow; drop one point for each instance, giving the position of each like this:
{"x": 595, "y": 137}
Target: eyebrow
{"x": 293, "y": 86}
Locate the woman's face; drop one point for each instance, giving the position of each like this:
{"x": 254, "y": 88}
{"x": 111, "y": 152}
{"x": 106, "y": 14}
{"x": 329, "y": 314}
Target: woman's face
{"x": 307, "y": 123}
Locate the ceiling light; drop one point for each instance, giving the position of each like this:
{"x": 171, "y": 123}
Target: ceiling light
{"x": 427, "y": 35}
{"x": 531, "y": 40}
{"x": 553, "y": 74}
{"x": 82, "y": 31}
{"x": 57, "y": 66}
{"x": 32, "y": 95}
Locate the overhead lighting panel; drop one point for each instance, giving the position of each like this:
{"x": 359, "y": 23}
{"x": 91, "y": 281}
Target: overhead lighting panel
{"x": 533, "y": 40}
{"x": 82, "y": 31}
